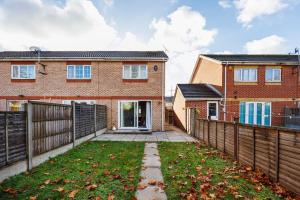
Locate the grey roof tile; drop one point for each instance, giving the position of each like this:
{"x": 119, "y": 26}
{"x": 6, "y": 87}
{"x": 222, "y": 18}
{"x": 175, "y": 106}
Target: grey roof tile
{"x": 199, "y": 91}
{"x": 85, "y": 54}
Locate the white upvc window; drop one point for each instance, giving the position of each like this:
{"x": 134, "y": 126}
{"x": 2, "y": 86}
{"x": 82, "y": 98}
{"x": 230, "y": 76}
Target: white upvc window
{"x": 135, "y": 72}
{"x": 245, "y": 74}
{"x": 79, "y": 72}
{"x": 23, "y": 71}
{"x": 273, "y": 74}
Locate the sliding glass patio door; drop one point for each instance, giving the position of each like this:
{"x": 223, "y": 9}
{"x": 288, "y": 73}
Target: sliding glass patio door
{"x": 135, "y": 115}
{"x": 128, "y": 110}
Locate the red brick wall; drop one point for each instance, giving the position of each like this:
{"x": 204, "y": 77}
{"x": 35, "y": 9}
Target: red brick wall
{"x": 289, "y": 87}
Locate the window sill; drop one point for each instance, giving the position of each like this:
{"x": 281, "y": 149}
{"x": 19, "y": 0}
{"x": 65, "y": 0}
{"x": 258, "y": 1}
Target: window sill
{"x": 78, "y": 80}
{"x": 22, "y": 80}
{"x": 273, "y": 83}
{"x": 135, "y": 80}
{"x": 245, "y": 83}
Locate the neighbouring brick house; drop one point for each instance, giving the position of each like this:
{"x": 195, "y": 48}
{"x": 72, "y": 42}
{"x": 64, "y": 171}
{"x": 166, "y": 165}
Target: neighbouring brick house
{"x": 254, "y": 88}
{"x": 130, "y": 83}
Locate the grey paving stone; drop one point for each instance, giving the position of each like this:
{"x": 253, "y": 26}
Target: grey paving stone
{"x": 151, "y": 193}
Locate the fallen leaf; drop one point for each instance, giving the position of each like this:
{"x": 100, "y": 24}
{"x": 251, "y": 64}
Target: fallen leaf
{"x": 152, "y": 182}
{"x": 141, "y": 186}
{"x": 73, "y": 193}
{"x": 128, "y": 187}
{"x": 47, "y": 181}
{"x": 11, "y": 191}
{"x": 111, "y": 197}
{"x": 32, "y": 197}
{"x": 106, "y": 173}
{"x": 258, "y": 188}
{"x": 91, "y": 187}
{"x": 59, "y": 189}
{"x": 97, "y": 198}
{"x": 203, "y": 160}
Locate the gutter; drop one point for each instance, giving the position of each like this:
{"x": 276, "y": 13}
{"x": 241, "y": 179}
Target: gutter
{"x": 85, "y": 58}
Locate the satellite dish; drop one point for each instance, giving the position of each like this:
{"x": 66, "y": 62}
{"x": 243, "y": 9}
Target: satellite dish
{"x": 34, "y": 48}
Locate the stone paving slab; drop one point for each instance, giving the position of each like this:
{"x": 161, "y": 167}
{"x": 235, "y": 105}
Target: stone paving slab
{"x": 168, "y": 136}
{"x": 151, "y": 171}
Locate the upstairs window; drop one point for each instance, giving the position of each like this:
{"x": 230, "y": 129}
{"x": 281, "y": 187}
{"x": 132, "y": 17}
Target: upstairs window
{"x": 79, "y": 71}
{"x": 23, "y": 72}
{"x": 273, "y": 74}
{"x": 245, "y": 75}
{"x": 135, "y": 72}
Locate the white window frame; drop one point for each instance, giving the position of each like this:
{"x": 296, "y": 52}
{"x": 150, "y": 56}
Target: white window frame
{"x": 255, "y": 112}
{"x": 69, "y": 102}
{"x": 139, "y": 72}
{"x": 241, "y": 78}
{"x": 83, "y": 73}
{"x": 273, "y": 74}
{"x": 217, "y": 111}
{"x": 19, "y": 66}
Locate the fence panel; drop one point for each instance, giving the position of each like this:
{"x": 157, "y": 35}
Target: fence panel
{"x": 289, "y": 162}
{"x": 101, "y": 117}
{"x": 52, "y": 126}
{"x": 274, "y": 150}
{"x": 12, "y": 137}
{"x": 2, "y": 140}
{"x": 16, "y": 136}
{"x": 84, "y": 120}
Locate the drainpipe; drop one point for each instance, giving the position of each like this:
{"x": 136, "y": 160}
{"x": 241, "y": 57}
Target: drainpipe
{"x": 225, "y": 92}
{"x": 163, "y": 99}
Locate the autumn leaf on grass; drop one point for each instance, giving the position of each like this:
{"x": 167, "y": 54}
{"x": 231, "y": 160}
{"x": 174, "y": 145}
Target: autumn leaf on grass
{"x": 11, "y": 191}
{"x": 91, "y": 187}
{"x": 142, "y": 186}
{"x": 32, "y": 197}
{"x": 128, "y": 187}
{"x": 191, "y": 197}
{"x": 106, "y": 172}
{"x": 258, "y": 188}
{"x": 97, "y": 198}
{"x": 117, "y": 176}
{"x": 112, "y": 156}
{"x": 73, "y": 193}
{"x": 203, "y": 160}
{"x": 47, "y": 181}
{"x": 111, "y": 197}
{"x": 59, "y": 189}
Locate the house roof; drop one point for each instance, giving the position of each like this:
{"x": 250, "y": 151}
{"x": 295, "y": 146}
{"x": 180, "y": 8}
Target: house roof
{"x": 254, "y": 58}
{"x": 199, "y": 91}
{"x": 84, "y": 55}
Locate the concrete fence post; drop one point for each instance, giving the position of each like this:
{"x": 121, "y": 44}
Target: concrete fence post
{"x": 6, "y": 137}
{"x": 74, "y": 122}
{"x": 29, "y": 135}
{"x": 95, "y": 119}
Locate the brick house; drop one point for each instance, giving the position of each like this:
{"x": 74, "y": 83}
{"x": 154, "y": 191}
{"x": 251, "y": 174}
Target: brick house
{"x": 254, "y": 88}
{"x": 130, "y": 83}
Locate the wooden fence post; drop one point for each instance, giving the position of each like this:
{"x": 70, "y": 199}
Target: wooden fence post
{"x": 235, "y": 140}
{"x": 277, "y": 140}
{"x": 6, "y": 138}
{"x": 95, "y": 119}
{"x": 29, "y": 135}
{"x": 254, "y": 148}
{"x": 224, "y": 139}
{"x": 74, "y": 122}
{"x": 216, "y": 134}
{"x": 208, "y": 131}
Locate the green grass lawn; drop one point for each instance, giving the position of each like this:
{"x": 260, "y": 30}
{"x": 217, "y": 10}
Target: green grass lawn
{"x": 90, "y": 171}
{"x": 191, "y": 171}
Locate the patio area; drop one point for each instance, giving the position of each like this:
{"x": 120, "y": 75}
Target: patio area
{"x": 168, "y": 136}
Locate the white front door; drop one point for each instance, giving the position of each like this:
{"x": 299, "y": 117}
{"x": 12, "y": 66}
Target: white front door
{"x": 212, "y": 110}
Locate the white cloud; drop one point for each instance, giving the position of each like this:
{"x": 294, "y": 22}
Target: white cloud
{"x": 272, "y": 44}
{"x": 78, "y": 25}
{"x": 225, "y": 3}
{"x": 109, "y": 2}
{"x": 184, "y": 30}
{"x": 251, "y": 9}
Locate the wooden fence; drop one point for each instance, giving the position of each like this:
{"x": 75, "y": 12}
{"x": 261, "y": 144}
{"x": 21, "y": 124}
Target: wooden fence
{"x": 45, "y": 127}
{"x": 276, "y": 151}
{"x": 12, "y": 137}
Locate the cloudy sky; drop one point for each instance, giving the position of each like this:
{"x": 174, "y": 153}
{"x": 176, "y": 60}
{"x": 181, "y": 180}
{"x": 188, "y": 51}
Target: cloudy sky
{"x": 184, "y": 28}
